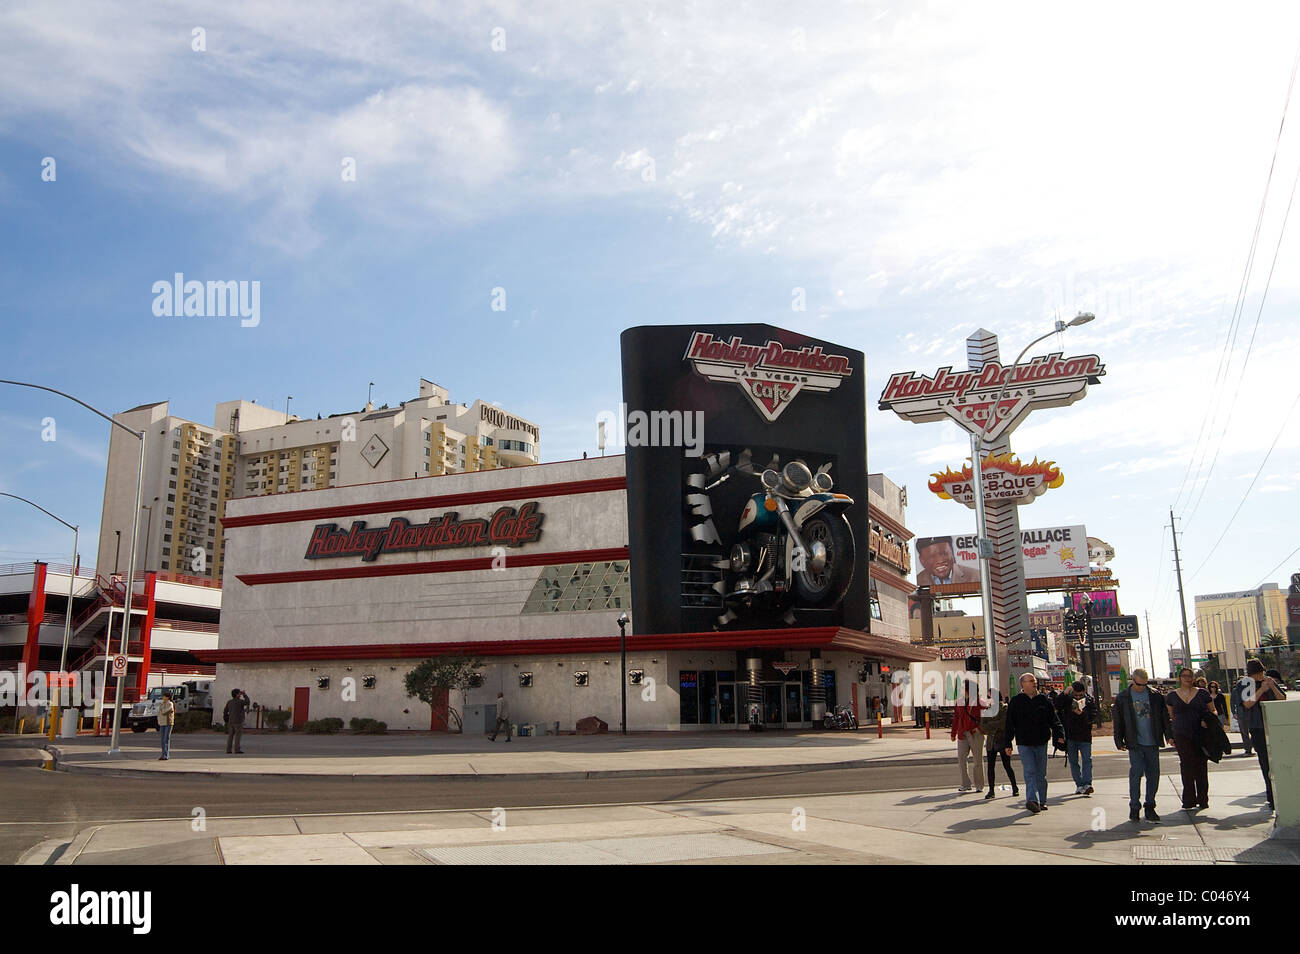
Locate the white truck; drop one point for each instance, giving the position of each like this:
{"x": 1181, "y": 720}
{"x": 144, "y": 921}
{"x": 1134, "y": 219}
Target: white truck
{"x": 192, "y": 696}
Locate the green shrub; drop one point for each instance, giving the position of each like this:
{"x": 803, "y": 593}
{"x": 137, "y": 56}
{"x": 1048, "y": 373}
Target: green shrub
{"x": 195, "y": 721}
{"x": 276, "y": 718}
{"x": 327, "y": 726}
{"x": 368, "y": 726}
{"x": 378, "y": 728}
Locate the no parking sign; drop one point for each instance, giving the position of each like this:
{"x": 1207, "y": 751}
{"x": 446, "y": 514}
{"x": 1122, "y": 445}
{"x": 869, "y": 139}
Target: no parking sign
{"x": 119, "y": 665}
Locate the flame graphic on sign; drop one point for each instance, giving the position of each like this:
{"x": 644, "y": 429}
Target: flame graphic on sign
{"x": 1008, "y": 464}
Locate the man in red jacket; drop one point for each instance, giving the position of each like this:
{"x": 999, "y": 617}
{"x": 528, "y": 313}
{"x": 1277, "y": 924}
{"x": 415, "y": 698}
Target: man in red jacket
{"x": 969, "y": 736}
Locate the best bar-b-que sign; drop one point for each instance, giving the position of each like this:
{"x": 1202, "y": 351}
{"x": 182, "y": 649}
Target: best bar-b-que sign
{"x": 507, "y": 527}
{"x": 1006, "y": 477}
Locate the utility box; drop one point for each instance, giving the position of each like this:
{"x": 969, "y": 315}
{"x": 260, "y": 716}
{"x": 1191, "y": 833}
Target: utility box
{"x": 480, "y": 717}
{"x": 1282, "y": 734}
{"x": 69, "y": 723}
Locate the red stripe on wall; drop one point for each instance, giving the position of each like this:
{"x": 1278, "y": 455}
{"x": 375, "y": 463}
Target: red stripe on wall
{"x": 812, "y": 638}
{"x": 596, "y": 486}
{"x": 370, "y": 571}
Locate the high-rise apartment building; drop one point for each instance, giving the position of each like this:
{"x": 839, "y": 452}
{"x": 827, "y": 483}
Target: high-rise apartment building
{"x": 191, "y": 470}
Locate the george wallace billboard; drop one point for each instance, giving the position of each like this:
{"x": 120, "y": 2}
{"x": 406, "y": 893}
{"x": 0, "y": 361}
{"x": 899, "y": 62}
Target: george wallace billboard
{"x": 746, "y": 479}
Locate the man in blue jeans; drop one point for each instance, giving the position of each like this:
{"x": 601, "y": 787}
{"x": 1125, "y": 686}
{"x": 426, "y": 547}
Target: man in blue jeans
{"x": 1078, "y": 712}
{"x": 1032, "y": 721}
{"x": 1141, "y": 722}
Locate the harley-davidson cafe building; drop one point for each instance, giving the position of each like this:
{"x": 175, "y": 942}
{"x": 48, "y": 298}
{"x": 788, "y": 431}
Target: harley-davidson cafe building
{"x": 331, "y": 596}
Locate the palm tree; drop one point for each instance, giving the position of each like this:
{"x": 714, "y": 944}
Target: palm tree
{"x": 1277, "y": 642}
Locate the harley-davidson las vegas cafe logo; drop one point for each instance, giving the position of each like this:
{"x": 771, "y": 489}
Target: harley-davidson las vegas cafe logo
{"x": 769, "y": 373}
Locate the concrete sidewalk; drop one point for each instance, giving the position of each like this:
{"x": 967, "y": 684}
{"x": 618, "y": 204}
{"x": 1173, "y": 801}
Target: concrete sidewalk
{"x": 552, "y": 757}
{"x": 914, "y": 827}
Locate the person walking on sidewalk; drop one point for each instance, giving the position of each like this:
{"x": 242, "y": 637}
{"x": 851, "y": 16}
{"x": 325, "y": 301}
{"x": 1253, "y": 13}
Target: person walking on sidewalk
{"x": 167, "y": 720}
{"x": 1141, "y": 724}
{"x": 1189, "y": 707}
{"x": 1032, "y": 721}
{"x": 1078, "y": 711}
{"x": 995, "y": 730}
{"x": 1239, "y": 713}
{"x": 234, "y": 716}
{"x": 969, "y": 736}
{"x": 1220, "y": 704}
{"x": 1259, "y": 686}
{"x": 503, "y": 718}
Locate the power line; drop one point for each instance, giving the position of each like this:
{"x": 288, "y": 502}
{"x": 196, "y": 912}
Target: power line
{"x": 1250, "y": 488}
{"x": 1230, "y": 339}
{"x": 1250, "y": 347}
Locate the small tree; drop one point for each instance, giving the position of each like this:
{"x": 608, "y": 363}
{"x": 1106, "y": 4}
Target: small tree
{"x": 439, "y": 674}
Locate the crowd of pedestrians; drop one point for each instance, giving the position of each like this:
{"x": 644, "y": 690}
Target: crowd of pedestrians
{"x": 1193, "y": 718}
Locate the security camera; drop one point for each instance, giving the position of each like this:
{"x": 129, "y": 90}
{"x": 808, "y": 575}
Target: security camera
{"x": 624, "y": 619}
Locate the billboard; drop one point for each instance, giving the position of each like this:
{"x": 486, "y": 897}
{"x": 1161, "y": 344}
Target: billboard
{"x": 715, "y": 547}
{"x": 1052, "y": 551}
{"x": 1102, "y": 603}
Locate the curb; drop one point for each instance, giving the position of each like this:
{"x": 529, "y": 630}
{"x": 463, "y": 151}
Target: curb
{"x": 88, "y": 769}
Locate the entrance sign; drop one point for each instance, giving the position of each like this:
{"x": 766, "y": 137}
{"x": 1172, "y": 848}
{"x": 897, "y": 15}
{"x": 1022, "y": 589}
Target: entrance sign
{"x": 1005, "y": 478}
{"x": 967, "y": 396}
{"x": 1111, "y": 645}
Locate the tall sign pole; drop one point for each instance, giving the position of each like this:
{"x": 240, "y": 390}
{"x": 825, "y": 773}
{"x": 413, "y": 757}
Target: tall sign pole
{"x": 1182, "y": 600}
{"x": 989, "y": 401}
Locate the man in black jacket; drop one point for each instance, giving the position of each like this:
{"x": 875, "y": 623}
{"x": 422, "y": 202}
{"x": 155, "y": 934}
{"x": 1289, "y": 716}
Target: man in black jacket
{"x": 1032, "y": 721}
{"x": 1078, "y": 712}
{"x": 1141, "y": 722}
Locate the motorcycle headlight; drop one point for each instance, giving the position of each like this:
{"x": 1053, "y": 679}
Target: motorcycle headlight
{"x": 796, "y": 476}
{"x": 771, "y": 479}
{"x": 823, "y": 483}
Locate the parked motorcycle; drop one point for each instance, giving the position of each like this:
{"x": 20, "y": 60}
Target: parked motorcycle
{"x": 794, "y": 545}
{"x": 841, "y": 718}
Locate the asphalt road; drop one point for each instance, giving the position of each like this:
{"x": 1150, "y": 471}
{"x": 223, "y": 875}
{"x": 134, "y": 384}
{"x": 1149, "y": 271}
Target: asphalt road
{"x": 36, "y": 805}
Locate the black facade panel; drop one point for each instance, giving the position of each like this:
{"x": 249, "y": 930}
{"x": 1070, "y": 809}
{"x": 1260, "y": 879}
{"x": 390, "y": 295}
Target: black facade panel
{"x": 814, "y": 389}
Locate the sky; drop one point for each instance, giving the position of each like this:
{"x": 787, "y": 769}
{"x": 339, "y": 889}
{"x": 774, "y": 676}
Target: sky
{"x": 389, "y": 171}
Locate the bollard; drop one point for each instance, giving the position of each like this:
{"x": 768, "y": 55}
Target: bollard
{"x": 880, "y": 725}
{"x": 927, "y": 723}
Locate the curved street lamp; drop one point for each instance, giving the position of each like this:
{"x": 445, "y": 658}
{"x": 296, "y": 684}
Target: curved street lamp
{"x": 977, "y": 455}
{"x": 113, "y": 748}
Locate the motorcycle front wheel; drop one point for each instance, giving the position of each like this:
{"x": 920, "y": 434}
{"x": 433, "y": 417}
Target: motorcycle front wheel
{"x": 826, "y": 586}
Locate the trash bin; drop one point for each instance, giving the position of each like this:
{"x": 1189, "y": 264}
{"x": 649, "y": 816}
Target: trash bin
{"x": 1282, "y": 733}
{"x": 70, "y": 723}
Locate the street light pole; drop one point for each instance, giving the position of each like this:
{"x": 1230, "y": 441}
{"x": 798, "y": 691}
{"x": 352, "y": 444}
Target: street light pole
{"x": 135, "y": 539}
{"x": 623, "y": 620}
{"x": 977, "y": 455}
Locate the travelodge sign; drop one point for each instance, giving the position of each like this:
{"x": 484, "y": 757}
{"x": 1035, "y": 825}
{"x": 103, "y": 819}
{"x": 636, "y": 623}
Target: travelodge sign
{"x": 967, "y": 396}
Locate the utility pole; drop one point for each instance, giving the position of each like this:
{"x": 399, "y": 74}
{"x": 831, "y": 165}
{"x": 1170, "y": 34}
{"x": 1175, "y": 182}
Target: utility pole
{"x": 1182, "y": 600}
{"x": 1151, "y": 655}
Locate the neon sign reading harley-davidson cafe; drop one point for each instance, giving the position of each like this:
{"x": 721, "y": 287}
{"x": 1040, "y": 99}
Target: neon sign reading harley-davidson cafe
{"x": 507, "y": 527}
{"x": 968, "y": 396}
{"x": 770, "y": 374}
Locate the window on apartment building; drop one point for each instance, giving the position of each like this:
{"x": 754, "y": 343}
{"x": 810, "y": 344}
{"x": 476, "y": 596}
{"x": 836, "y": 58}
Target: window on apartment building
{"x": 176, "y": 445}
{"x": 210, "y": 520}
{"x": 166, "y": 552}
{"x": 171, "y": 499}
{"x": 173, "y": 471}
{"x": 175, "y": 458}
{"x": 164, "y": 566}
{"x": 167, "y": 538}
{"x": 172, "y": 485}
{"x": 331, "y": 478}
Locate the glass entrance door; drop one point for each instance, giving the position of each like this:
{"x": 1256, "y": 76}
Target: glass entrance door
{"x": 772, "y": 711}
{"x": 793, "y": 693}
